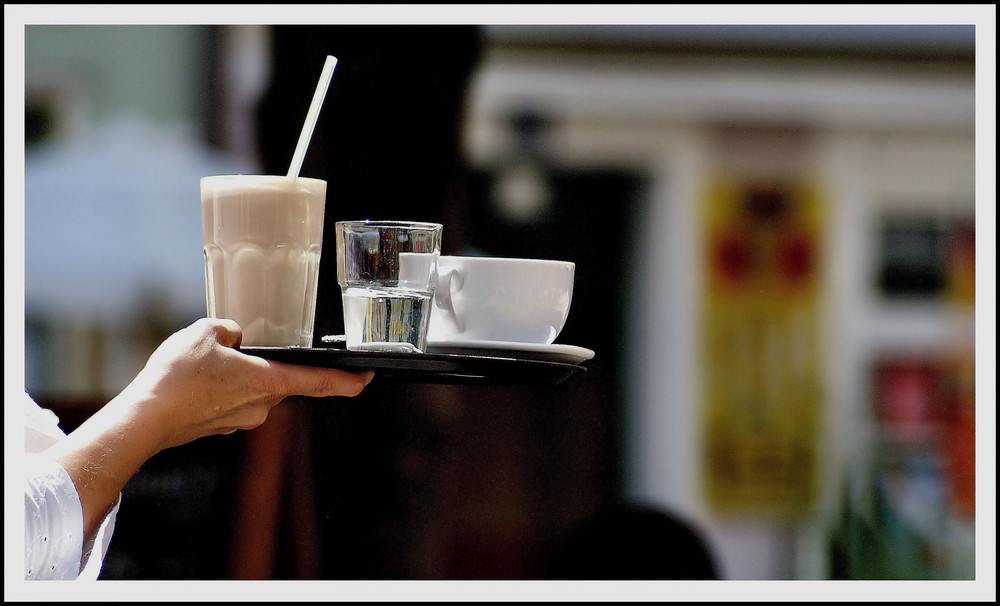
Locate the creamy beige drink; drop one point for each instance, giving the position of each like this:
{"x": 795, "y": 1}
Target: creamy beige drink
{"x": 263, "y": 236}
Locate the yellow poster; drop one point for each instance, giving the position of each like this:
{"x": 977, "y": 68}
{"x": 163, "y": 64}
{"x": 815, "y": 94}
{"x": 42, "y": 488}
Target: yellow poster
{"x": 760, "y": 346}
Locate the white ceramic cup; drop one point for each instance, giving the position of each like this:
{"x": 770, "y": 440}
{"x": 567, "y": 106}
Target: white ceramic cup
{"x": 500, "y": 299}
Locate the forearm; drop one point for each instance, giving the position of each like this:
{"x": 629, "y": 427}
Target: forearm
{"x": 105, "y": 451}
{"x": 194, "y": 385}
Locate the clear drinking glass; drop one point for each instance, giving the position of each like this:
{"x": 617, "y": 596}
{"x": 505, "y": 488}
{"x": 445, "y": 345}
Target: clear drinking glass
{"x": 387, "y": 271}
{"x": 262, "y": 237}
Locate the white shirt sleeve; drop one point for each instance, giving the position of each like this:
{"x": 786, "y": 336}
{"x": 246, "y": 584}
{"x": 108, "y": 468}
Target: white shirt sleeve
{"x": 54, "y": 546}
{"x": 53, "y": 522}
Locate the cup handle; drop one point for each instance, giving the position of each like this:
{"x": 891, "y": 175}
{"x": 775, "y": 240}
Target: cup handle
{"x": 450, "y": 279}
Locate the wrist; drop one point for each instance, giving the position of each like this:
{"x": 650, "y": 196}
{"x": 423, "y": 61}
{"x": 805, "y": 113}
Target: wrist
{"x": 142, "y": 421}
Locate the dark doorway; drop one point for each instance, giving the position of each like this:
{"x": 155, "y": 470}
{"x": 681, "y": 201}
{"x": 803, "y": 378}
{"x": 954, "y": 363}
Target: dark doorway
{"x": 479, "y": 482}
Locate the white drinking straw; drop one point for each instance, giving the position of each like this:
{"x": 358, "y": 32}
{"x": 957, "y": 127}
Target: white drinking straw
{"x": 312, "y": 116}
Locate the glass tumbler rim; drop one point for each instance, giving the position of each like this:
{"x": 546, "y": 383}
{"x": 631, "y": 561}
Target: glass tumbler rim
{"x": 391, "y": 223}
{"x": 239, "y": 177}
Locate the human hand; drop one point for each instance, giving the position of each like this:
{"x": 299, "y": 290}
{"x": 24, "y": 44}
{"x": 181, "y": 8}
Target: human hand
{"x": 197, "y": 384}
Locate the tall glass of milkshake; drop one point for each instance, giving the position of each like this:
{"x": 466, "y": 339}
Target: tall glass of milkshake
{"x": 263, "y": 236}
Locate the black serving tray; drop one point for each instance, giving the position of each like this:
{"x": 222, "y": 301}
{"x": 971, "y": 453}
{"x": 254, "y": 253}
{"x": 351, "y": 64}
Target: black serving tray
{"x": 503, "y": 368}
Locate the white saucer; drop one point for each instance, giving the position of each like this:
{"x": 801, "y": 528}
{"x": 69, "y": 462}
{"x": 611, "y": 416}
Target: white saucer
{"x": 571, "y": 354}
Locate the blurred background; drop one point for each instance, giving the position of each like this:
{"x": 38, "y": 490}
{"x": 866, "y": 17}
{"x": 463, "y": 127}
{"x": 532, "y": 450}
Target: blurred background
{"x": 774, "y": 231}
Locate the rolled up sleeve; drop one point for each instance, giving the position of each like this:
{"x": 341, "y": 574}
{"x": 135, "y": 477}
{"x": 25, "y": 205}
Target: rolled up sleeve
{"x": 55, "y": 547}
{"x": 53, "y": 522}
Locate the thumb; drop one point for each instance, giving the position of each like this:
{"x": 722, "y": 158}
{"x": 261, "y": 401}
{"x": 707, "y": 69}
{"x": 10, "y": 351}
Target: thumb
{"x": 228, "y": 332}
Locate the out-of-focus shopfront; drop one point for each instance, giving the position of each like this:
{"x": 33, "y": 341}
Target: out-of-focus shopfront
{"x": 800, "y": 350}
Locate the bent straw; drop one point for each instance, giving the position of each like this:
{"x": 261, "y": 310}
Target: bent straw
{"x": 312, "y": 116}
